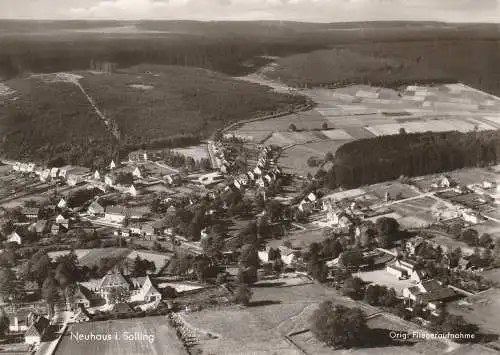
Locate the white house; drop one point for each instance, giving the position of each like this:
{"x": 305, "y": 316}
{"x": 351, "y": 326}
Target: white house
{"x": 138, "y": 172}
{"x": 471, "y": 217}
{"x": 44, "y": 176}
{"x": 406, "y": 269}
{"x": 62, "y": 203}
{"x": 14, "y": 238}
{"x": 97, "y": 175}
{"x": 60, "y": 219}
{"x": 112, "y": 165}
{"x": 147, "y": 293}
{"x": 132, "y": 191}
{"x": 54, "y": 172}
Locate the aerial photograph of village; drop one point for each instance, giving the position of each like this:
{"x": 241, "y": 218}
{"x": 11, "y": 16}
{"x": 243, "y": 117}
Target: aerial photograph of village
{"x": 261, "y": 177}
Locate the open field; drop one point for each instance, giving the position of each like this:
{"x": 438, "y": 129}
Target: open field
{"x": 481, "y": 309}
{"x": 150, "y": 335}
{"x": 260, "y": 328}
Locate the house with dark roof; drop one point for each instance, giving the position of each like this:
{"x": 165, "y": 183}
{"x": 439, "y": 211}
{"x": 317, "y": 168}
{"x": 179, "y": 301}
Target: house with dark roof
{"x": 110, "y": 282}
{"x": 30, "y": 212}
{"x": 80, "y": 298}
{"x": 95, "y": 209}
{"x": 37, "y": 330}
{"x": 38, "y": 227}
{"x": 431, "y": 294}
{"x": 116, "y": 214}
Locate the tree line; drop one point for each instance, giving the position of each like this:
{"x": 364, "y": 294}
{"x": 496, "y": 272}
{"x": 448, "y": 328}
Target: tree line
{"x": 369, "y": 161}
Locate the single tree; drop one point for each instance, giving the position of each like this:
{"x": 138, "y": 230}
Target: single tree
{"x": 353, "y": 287}
{"x": 339, "y": 326}
{"x": 292, "y": 127}
{"x": 4, "y": 322}
{"x": 50, "y": 293}
{"x": 8, "y": 285}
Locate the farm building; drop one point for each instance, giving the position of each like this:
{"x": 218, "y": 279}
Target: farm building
{"x": 116, "y": 214}
{"x": 30, "y": 212}
{"x": 430, "y": 294}
{"x": 406, "y": 269}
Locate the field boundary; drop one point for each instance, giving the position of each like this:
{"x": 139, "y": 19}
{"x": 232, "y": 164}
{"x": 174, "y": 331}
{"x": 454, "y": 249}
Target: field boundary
{"x": 302, "y": 108}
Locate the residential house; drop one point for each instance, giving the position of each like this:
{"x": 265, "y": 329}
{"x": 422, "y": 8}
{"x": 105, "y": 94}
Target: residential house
{"x": 445, "y": 181}
{"x": 110, "y": 179}
{"x": 14, "y": 237}
{"x": 62, "y": 203}
{"x": 251, "y": 175}
{"x": 95, "y": 209}
{"x": 148, "y": 230}
{"x": 138, "y": 213}
{"x": 97, "y": 175}
{"x": 110, "y": 281}
{"x": 60, "y": 219}
{"x": 431, "y": 294}
{"x": 407, "y": 269}
{"x": 413, "y": 246}
{"x": 471, "y": 216}
{"x": 39, "y": 226}
{"x": 139, "y": 172}
{"x": 30, "y": 212}
{"x": 112, "y": 165}
{"x": 116, "y": 214}
{"x": 77, "y": 175}
{"x": 132, "y": 190}
{"x": 44, "y": 176}
{"x": 55, "y": 229}
{"x": 147, "y": 292}
{"x": 37, "y": 330}
{"x": 138, "y": 156}
{"x": 261, "y": 182}
{"x": 79, "y": 298}
{"x": 135, "y": 228}
{"x": 54, "y": 172}
{"x": 464, "y": 264}
{"x": 173, "y": 179}
{"x": 257, "y": 171}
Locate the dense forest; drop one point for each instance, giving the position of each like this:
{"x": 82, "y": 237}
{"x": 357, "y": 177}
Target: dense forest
{"x": 374, "y": 160}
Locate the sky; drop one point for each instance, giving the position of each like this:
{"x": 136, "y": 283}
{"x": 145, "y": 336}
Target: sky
{"x": 296, "y": 10}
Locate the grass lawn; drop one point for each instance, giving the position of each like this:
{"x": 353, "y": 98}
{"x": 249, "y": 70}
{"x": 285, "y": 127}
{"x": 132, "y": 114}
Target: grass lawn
{"x": 481, "y": 309}
{"x": 164, "y": 339}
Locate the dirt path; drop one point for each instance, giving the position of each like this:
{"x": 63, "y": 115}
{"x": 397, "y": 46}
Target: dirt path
{"x": 75, "y": 80}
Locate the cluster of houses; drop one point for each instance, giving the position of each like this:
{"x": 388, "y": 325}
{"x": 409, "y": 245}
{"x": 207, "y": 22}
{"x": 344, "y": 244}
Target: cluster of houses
{"x": 61, "y": 222}
{"x": 72, "y": 175}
